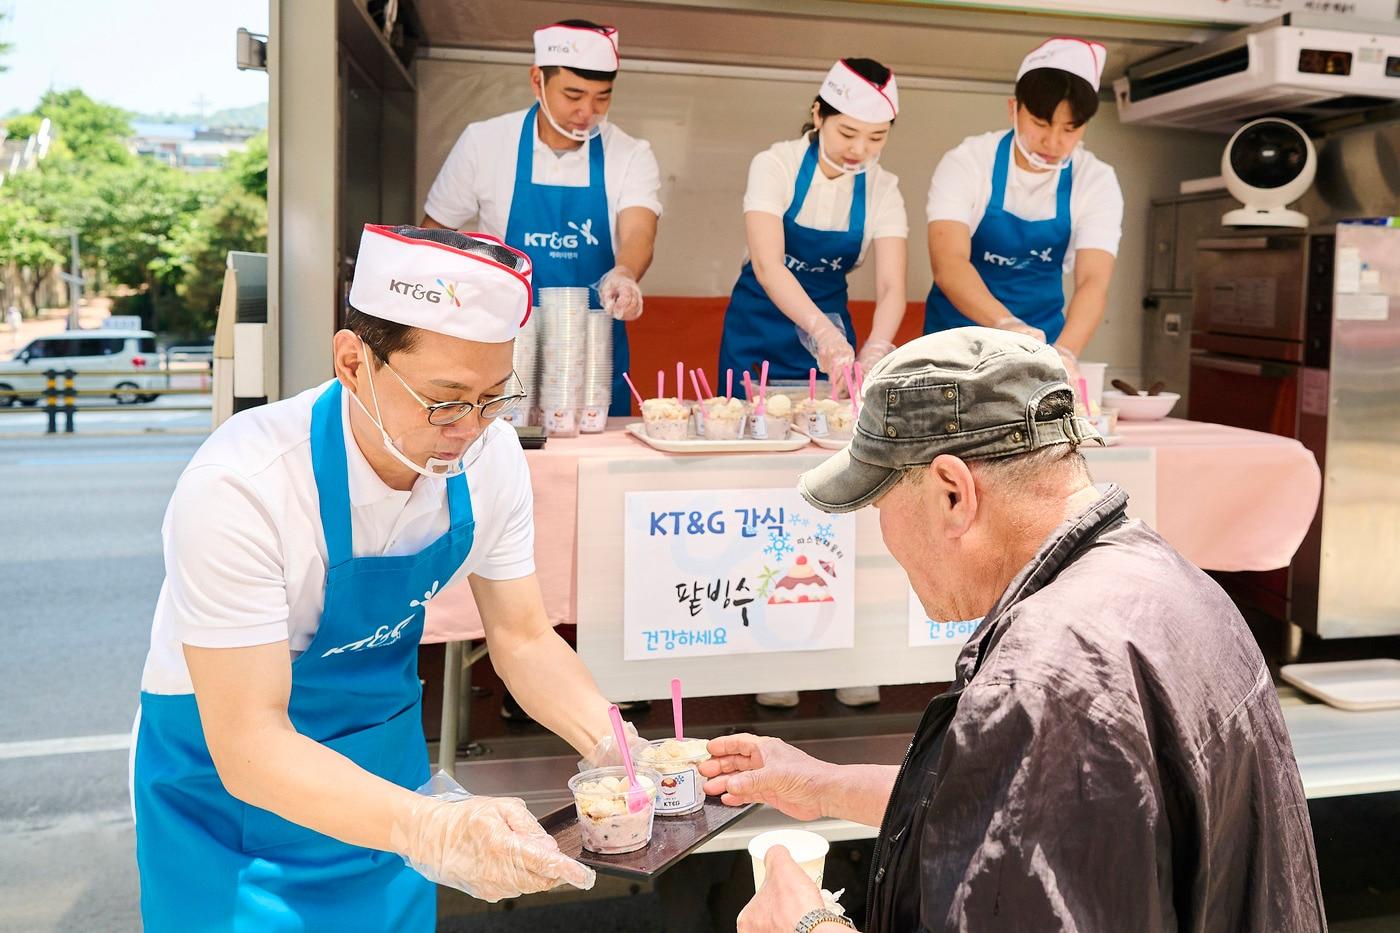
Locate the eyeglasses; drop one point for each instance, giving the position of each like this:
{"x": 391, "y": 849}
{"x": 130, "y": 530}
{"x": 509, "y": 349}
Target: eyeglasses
{"x": 441, "y": 414}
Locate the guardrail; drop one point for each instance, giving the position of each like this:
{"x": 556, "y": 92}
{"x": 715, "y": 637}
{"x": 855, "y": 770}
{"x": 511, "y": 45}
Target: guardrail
{"x": 69, "y": 394}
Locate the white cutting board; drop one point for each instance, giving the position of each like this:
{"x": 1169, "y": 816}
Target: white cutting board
{"x": 1352, "y": 685}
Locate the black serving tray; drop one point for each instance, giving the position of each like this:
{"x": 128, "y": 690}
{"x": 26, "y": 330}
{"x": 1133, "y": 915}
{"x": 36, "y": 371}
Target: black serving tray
{"x": 672, "y": 838}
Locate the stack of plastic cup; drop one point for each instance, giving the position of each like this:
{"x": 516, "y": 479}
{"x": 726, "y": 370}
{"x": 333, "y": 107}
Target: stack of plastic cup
{"x": 597, "y": 372}
{"x": 563, "y": 350}
{"x": 526, "y": 361}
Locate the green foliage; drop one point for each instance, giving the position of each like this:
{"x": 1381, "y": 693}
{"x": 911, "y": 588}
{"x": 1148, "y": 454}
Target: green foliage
{"x": 145, "y": 228}
{"x": 86, "y": 129}
{"x": 26, "y": 242}
{"x": 23, "y": 126}
{"x": 194, "y": 256}
{"x": 249, "y": 167}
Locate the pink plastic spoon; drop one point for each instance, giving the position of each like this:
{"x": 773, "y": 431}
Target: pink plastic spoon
{"x": 676, "y": 706}
{"x": 636, "y": 797}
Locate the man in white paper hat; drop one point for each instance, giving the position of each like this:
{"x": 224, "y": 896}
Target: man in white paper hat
{"x": 279, "y": 740}
{"x": 1011, "y": 211}
{"x": 561, "y": 183}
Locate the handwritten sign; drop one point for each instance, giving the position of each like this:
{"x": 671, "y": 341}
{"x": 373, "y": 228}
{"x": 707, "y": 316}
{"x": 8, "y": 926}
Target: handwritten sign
{"x": 924, "y": 631}
{"x": 735, "y": 571}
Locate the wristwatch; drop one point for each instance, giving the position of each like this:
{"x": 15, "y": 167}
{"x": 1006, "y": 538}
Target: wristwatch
{"x": 813, "y": 918}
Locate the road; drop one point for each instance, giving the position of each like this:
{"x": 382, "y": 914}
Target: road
{"x": 81, "y": 558}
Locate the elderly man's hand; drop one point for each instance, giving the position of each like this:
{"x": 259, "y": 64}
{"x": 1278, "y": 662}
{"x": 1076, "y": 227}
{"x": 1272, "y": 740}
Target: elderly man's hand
{"x": 758, "y": 769}
{"x": 786, "y": 897}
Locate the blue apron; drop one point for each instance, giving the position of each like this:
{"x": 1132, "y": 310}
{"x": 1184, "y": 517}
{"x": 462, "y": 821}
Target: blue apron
{"x": 210, "y": 862}
{"x": 1020, "y": 261}
{"x": 754, "y": 328}
{"x": 566, "y": 233}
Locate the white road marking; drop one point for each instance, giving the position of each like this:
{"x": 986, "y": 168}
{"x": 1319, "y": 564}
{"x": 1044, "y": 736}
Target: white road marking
{"x": 44, "y": 748}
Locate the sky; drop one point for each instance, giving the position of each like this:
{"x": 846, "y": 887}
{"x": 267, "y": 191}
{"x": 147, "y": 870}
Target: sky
{"x": 143, "y": 55}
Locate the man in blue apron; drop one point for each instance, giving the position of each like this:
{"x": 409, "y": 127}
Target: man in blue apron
{"x": 279, "y": 740}
{"x": 1011, "y": 211}
{"x": 561, "y": 184}
{"x": 789, "y": 305}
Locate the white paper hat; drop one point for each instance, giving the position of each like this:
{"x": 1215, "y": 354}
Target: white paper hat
{"x": 859, "y": 97}
{"x": 577, "y": 47}
{"x": 466, "y": 285}
{"x": 1077, "y": 56}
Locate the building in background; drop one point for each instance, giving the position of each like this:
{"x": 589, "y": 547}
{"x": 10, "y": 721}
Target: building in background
{"x": 189, "y": 146}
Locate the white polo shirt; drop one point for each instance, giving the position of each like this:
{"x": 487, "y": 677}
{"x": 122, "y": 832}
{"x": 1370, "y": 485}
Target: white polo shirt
{"x": 773, "y": 181}
{"x": 478, "y": 178}
{"x": 245, "y": 557}
{"x": 962, "y": 186}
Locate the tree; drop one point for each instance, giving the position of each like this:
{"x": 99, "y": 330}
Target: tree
{"x": 89, "y": 131}
{"x": 134, "y": 210}
{"x": 27, "y": 242}
{"x": 195, "y": 255}
{"x": 144, "y": 226}
{"x": 45, "y": 202}
{"x": 23, "y": 126}
{"x": 249, "y": 167}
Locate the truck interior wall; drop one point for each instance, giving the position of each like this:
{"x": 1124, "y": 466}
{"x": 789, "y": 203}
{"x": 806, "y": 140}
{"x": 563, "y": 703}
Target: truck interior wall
{"x": 705, "y": 130}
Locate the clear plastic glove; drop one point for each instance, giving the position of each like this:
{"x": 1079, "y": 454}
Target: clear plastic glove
{"x": 622, "y": 296}
{"x": 1071, "y": 368}
{"x": 747, "y": 768}
{"x": 1016, "y": 325}
{"x": 489, "y": 847}
{"x": 827, "y": 342}
{"x": 605, "y": 753}
{"x": 873, "y": 352}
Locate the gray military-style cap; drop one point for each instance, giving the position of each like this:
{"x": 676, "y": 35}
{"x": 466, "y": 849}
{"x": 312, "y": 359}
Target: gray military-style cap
{"x": 971, "y": 392}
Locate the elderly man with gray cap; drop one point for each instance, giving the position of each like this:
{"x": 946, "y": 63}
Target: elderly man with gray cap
{"x": 1110, "y": 754}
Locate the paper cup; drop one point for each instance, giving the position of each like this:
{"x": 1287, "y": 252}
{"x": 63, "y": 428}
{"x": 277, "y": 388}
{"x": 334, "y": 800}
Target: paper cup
{"x": 1093, "y": 374}
{"x": 807, "y": 849}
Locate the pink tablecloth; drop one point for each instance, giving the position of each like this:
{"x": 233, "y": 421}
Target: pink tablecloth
{"x": 1227, "y": 499}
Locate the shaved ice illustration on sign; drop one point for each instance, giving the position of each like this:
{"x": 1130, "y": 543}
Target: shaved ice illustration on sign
{"x": 801, "y": 585}
{"x": 735, "y": 571}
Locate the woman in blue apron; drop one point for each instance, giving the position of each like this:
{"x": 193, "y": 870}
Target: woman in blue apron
{"x": 207, "y": 859}
{"x": 789, "y": 306}
{"x": 1006, "y": 268}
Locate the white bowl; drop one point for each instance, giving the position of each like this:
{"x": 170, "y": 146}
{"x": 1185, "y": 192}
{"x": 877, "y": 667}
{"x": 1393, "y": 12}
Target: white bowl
{"x": 1140, "y": 407}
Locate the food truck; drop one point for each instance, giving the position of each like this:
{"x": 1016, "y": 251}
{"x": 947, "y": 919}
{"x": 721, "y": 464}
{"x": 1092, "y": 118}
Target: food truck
{"x": 1268, "y": 473}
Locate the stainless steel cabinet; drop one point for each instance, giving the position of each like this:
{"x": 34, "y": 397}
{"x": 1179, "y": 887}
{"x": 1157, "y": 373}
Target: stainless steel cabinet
{"x": 1174, "y": 227}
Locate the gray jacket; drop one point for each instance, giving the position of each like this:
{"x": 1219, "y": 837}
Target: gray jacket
{"x": 1111, "y": 757}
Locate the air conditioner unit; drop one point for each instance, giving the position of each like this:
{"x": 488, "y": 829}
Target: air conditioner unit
{"x": 1302, "y": 67}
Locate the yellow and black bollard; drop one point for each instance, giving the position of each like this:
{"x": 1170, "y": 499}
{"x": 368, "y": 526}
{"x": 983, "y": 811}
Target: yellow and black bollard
{"x": 69, "y": 401}
{"x": 51, "y": 399}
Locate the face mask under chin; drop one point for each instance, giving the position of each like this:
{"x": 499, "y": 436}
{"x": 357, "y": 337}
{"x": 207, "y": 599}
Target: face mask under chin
{"x": 858, "y": 170}
{"x": 435, "y": 467}
{"x": 576, "y": 135}
{"x": 1035, "y": 160}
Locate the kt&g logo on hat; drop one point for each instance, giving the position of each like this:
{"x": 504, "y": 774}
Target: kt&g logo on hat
{"x": 421, "y": 292}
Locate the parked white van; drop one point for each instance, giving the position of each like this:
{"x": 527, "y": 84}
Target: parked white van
{"x": 128, "y": 354}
